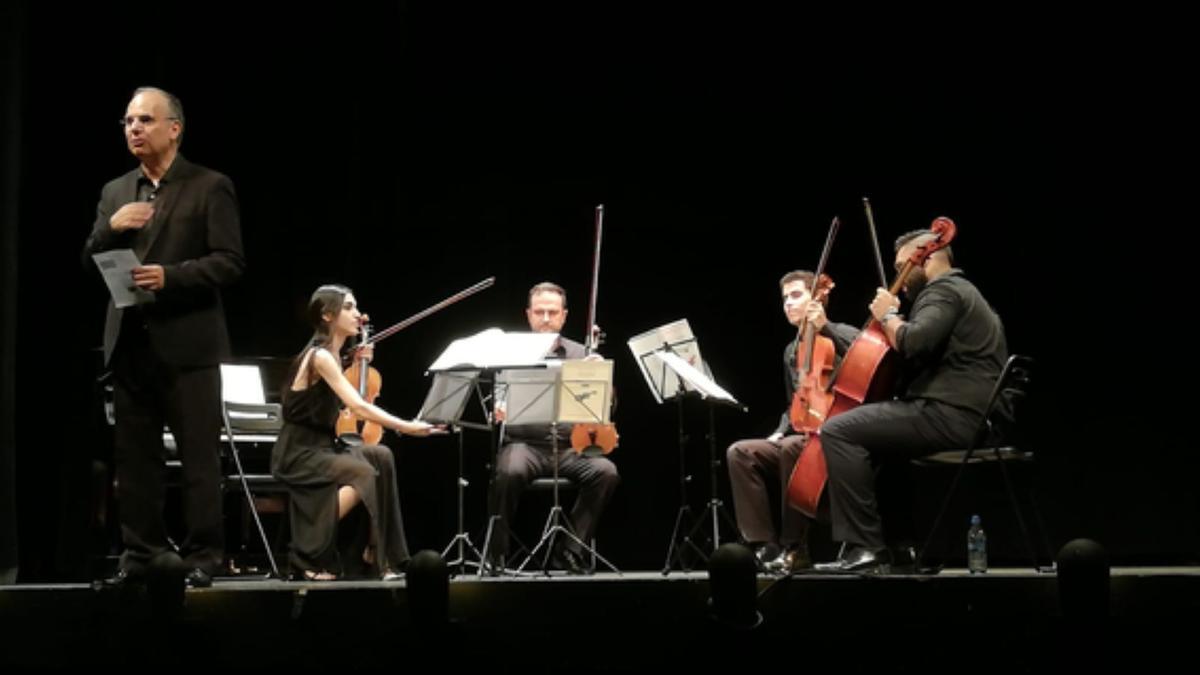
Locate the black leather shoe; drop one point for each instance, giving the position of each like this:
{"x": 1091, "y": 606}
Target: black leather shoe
{"x": 904, "y": 559}
{"x": 859, "y": 561}
{"x": 122, "y": 579}
{"x": 197, "y": 578}
{"x": 766, "y": 556}
{"x": 569, "y": 560}
{"x": 493, "y": 565}
{"x": 794, "y": 559}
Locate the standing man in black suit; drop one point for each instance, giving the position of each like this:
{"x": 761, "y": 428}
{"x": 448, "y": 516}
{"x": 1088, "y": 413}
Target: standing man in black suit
{"x": 182, "y": 221}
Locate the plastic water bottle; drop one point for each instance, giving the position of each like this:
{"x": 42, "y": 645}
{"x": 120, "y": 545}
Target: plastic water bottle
{"x": 976, "y": 547}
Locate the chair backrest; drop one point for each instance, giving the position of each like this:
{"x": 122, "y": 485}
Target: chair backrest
{"x": 1006, "y": 402}
{"x": 242, "y": 383}
{"x": 244, "y": 405}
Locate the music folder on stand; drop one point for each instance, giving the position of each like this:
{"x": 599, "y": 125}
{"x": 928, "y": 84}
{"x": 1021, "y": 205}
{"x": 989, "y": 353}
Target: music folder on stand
{"x": 667, "y": 357}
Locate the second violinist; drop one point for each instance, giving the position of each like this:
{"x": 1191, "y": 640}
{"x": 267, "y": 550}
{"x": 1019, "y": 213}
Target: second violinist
{"x": 756, "y": 462}
{"x": 527, "y": 452}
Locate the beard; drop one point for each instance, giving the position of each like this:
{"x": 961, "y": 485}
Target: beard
{"x": 915, "y": 283}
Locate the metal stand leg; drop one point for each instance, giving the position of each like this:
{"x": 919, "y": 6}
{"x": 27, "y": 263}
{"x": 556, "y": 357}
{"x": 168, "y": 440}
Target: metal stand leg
{"x": 680, "y": 540}
{"x": 262, "y": 533}
{"x": 557, "y": 523}
{"x": 714, "y": 510}
{"x": 461, "y": 539}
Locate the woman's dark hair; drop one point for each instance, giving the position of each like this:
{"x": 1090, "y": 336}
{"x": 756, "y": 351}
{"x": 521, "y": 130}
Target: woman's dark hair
{"x": 326, "y": 300}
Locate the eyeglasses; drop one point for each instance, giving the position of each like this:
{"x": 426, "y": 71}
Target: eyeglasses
{"x": 145, "y": 120}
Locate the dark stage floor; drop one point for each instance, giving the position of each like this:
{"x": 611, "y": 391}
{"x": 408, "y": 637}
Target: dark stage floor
{"x": 1008, "y": 620}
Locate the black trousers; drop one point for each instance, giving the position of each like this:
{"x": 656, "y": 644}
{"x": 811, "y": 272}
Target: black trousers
{"x": 759, "y": 472}
{"x": 860, "y": 441}
{"x": 519, "y": 463}
{"x": 148, "y": 394}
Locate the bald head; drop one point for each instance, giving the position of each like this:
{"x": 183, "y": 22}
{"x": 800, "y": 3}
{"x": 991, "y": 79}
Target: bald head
{"x": 153, "y": 128}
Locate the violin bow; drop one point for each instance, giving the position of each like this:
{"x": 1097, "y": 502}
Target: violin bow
{"x": 592, "y": 340}
{"x": 875, "y": 242}
{"x": 392, "y": 330}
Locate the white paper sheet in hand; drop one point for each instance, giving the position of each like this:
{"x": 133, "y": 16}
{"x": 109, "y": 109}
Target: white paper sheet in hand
{"x": 116, "y": 266}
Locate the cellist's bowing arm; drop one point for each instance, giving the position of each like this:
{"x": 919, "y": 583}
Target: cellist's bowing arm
{"x": 884, "y": 309}
{"x": 330, "y": 370}
{"x": 929, "y": 323}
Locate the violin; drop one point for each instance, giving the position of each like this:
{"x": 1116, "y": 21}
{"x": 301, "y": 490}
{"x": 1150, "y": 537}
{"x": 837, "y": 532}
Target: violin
{"x": 350, "y": 428}
{"x": 814, "y": 364}
{"x": 594, "y": 438}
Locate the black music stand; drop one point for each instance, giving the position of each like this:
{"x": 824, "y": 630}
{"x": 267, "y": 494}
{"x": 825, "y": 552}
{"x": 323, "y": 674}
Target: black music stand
{"x": 444, "y": 404}
{"x": 480, "y": 357}
{"x": 670, "y": 373}
{"x": 578, "y": 392}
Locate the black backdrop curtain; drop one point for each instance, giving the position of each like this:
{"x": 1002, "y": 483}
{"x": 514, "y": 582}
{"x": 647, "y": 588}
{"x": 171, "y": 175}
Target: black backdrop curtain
{"x": 12, "y": 23}
{"x": 409, "y": 153}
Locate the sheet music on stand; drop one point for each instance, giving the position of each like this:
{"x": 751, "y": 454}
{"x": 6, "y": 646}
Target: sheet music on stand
{"x": 696, "y": 380}
{"x": 664, "y": 383}
{"x": 586, "y": 393}
{"x": 529, "y": 395}
{"x": 669, "y": 358}
{"x": 447, "y": 397}
{"x": 495, "y": 349}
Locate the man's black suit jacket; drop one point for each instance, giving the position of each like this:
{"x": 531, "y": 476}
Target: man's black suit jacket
{"x": 195, "y": 234}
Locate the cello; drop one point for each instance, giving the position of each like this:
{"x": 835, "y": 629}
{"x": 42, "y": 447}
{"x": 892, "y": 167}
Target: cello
{"x": 867, "y": 373}
{"x": 352, "y": 429}
{"x": 594, "y": 438}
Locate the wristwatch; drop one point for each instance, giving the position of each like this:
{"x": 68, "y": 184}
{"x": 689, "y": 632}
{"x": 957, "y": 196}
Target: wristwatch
{"x": 887, "y": 315}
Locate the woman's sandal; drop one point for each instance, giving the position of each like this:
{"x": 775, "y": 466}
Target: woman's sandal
{"x": 315, "y": 575}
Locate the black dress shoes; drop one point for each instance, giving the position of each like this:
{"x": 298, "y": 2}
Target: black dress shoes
{"x": 122, "y": 579}
{"x": 197, "y": 578}
{"x": 571, "y": 562}
{"x": 904, "y": 560}
{"x": 766, "y": 556}
{"x": 492, "y": 567}
{"x": 859, "y": 560}
{"x": 794, "y": 559}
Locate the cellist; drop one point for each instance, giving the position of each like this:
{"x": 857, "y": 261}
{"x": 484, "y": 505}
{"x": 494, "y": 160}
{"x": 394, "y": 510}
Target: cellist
{"x": 754, "y": 461}
{"x": 952, "y": 348}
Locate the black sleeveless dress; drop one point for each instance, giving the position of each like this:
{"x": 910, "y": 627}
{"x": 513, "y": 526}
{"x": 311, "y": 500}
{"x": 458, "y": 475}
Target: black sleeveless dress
{"x": 304, "y": 458}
